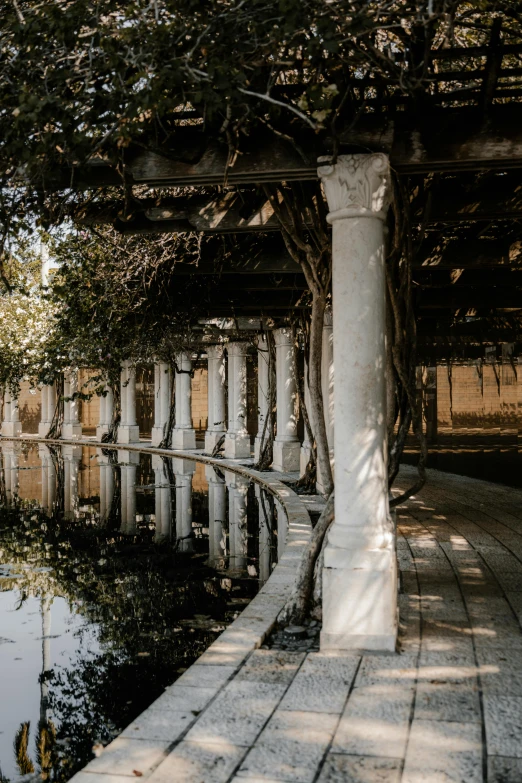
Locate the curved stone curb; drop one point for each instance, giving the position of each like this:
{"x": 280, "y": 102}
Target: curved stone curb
{"x": 143, "y": 745}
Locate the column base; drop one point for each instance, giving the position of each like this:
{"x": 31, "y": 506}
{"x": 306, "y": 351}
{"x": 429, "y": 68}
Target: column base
{"x": 71, "y": 431}
{"x": 359, "y": 600}
{"x": 286, "y": 456}
{"x": 237, "y": 446}
{"x": 211, "y": 438}
{"x": 128, "y": 433}
{"x": 184, "y": 439}
{"x": 11, "y": 429}
{"x": 43, "y": 429}
{"x": 304, "y": 458}
{"x": 101, "y": 430}
{"x": 156, "y": 436}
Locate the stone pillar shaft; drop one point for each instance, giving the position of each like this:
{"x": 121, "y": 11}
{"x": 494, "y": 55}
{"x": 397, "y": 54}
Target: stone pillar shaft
{"x": 237, "y": 441}
{"x": 128, "y": 431}
{"x": 286, "y": 445}
{"x": 262, "y": 392}
{"x": 360, "y": 570}
{"x": 72, "y": 429}
{"x": 162, "y": 395}
{"x": 184, "y": 436}
{"x": 11, "y": 425}
{"x": 216, "y": 396}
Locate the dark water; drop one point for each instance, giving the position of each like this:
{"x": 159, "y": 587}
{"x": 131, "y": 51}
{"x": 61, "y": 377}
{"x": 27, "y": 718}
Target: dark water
{"x": 114, "y": 577}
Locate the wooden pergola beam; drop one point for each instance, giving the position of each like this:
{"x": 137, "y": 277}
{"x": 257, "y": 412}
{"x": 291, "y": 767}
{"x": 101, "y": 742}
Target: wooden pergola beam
{"x": 450, "y": 139}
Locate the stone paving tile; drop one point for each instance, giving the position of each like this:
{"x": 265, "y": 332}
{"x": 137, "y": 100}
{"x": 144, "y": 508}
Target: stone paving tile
{"x": 444, "y": 752}
{"x": 375, "y": 669}
{"x": 159, "y": 724}
{"x": 322, "y": 683}
{"x": 290, "y": 747}
{"x": 184, "y": 698}
{"x": 271, "y": 666}
{"x": 360, "y": 769}
{"x": 500, "y": 673}
{"x": 504, "y": 770}
{"x": 503, "y": 718}
{"x": 199, "y": 762}
{"x": 128, "y": 756}
{"x": 375, "y": 721}
{"x": 238, "y": 713}
{"x": 447, "y": 701}
{"x": 206, "y": 676}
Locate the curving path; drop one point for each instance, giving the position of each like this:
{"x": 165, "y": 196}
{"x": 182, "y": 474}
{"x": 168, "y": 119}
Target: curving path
{"x": 446, "y": 709}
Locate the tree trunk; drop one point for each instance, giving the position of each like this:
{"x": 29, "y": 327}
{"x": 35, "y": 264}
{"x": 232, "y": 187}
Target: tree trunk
{"x": 296, "y": 608}
{"x": 316, "y": 391}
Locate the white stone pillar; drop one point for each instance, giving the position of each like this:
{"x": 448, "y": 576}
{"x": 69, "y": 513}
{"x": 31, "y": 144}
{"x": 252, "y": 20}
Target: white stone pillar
{"x": 162, "y": 395}
{"x": 286, "y": 445}
{"x": 71, "y": 463}
{"x": 262, "y": 393}
{"x": 106, "y": 413}
{"x": 216, "y": 396}
{"x": 43, "y": 426}
{"x": 183, "y": 470}
{"x": 129, "y": 461}
{"x": 237, "y": 440}
{"x": 183, "y": 436}
{"x": 237, "y": 520}
{"x": 265, "y": 529}
{"x": 72, "y": 429}
{"x": 128, "y": 431}
{"x": 327, "y": 383}
{"x": 217, "y": 496}
{"x": 360, "y": 567}
{"x": 11, "y": 425}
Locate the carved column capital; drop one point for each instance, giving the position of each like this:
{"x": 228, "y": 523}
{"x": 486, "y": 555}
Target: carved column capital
{"x": 356, "y": 186}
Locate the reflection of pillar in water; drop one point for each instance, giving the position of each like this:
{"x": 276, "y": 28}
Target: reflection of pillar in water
{"x": 106, "y": 484}
{"x": 217, "y": 498}
{"x": 237, "y": 519}
{"x": 48, "y": 478}
{"x": 163, "y": 499}
{"x": 71, "y": 462}
{"x": 10, "y": 471}
{"x": 183, "y": 470}
{"x": 45, "y": 609}
{"x": 282, "y": 529}
{"x": 129, "y": 461}
{"x": 264, "y": 534}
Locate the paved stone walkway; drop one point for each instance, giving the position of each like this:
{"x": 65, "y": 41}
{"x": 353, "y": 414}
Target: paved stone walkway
{"x": 446, "y": 709}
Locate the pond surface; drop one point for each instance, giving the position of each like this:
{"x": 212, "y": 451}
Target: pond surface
{"x": 117, "y": 571}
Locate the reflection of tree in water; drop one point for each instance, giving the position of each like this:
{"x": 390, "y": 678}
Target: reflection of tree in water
{"x": 145, "y": 600}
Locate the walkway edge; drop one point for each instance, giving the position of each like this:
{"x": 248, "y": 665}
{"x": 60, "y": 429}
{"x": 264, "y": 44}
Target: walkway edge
{"x": 209, "y": 674}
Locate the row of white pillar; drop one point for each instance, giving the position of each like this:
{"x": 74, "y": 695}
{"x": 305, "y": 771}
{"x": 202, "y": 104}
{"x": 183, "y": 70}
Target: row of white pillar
{"x": 360, "y": 567}
{"x": 289, "y": 455}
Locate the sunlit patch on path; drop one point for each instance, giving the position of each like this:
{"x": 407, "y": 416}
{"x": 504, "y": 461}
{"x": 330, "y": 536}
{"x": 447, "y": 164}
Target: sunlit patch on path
{"x": 446, "y": 708}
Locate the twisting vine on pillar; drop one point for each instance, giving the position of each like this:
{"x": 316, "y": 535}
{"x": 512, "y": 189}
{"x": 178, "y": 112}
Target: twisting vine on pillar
{"x": 403, "y": 408}
{"x": 301, "y": 211}
{"x": 266, "y": 449}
